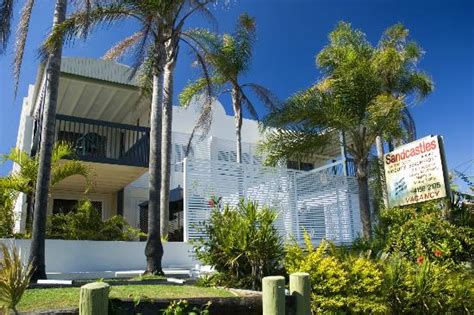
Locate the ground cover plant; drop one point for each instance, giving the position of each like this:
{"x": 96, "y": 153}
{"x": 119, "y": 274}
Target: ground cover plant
{"x": 242, "y": 244}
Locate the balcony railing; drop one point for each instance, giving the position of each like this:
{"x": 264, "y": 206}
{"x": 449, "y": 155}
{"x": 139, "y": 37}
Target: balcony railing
{"x": 103, "y": 141}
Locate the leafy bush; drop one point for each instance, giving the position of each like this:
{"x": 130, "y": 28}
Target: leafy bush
{"x": 426, "y": 287}
{"x": 14, "y": 277}
{"x": 242, "y": 244}
{"x": 7, "y": 219}
{"x": 339, "y": 283}
{"x": 86, "y": 224}
{"x": 346, "y": 283}
{"x": 422, "y": 231}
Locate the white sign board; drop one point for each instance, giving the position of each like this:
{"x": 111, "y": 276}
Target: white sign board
{"x": 414, "y": 172}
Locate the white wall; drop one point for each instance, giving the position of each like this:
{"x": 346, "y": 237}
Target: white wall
{"x": 68, "y": 256}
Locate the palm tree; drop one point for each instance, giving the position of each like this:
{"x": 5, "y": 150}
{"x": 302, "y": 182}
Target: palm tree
{"x": 155, "y": 47}
{"x": 351, "y": 97}
{"x": 228, "y": 58}
{"x": 24, "y": 179}
{"x": 37, "y": 251}
{"x": 396, "y": 60}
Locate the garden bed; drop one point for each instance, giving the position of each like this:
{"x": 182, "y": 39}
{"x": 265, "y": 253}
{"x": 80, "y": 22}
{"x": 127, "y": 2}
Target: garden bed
{"x": 148, "y": 299}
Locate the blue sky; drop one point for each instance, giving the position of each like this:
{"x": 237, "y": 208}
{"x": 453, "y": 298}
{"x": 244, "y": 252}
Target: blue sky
{"x": 290, "y": 34}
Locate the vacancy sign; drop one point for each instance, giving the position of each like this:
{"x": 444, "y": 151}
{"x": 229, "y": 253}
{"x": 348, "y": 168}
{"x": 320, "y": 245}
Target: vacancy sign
{"x": 414, "y": 172}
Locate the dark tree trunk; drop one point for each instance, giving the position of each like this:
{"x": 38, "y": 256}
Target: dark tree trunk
{"x": 364, "y": 201}
{"x": 167, "y": 121}
{"x": 380, "y": 154}
{"x": 154, "y": 247}
{"x": 37, "y": 249}
{"x": 237, "y": 105}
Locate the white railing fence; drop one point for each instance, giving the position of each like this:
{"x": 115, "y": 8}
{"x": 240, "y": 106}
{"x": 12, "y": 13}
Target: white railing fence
{"x": 321, "y": 202}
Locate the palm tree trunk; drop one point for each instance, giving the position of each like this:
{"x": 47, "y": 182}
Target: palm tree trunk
{"x": 380, "y": 154}
{"x": 37, "y": 249}
{"x": 364, "y": 201}
{"x": 237, "y": 105}
{"x": 154, "y": 247}
{"x": 167, "y": 121}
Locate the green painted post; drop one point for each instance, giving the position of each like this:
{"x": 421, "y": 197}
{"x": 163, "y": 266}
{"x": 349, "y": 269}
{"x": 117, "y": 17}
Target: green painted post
{"x": 94, "y": 299}
{"x": 273, "y": 295}
{"x": 301, "y": 288}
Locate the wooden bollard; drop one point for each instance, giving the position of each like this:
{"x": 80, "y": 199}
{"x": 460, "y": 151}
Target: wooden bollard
{"x": 94, "y": 299}
{"x": 273, "y": 295}
{"x": 300, "y": 287}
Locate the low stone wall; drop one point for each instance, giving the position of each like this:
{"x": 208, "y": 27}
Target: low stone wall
{"x": 70, "y": 256}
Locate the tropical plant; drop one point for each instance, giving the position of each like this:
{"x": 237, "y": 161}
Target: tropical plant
{"x": 155, "y": 47}
{"x": 228, "y": 58}
{"x": 23, "y": 179}
{"x": 241, "y": 243}
{"x": 353, "y": 97}
{"x": 52, "y": 60}
{"x": 14, "y": 277}
{"x": 85, "y": 223}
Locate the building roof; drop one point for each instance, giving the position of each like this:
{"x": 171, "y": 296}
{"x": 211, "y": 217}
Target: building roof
{"x": 99, "y": 69}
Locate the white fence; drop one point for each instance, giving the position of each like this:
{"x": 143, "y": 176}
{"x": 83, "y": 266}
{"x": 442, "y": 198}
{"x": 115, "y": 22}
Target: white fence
{"x": 322, "y": 202}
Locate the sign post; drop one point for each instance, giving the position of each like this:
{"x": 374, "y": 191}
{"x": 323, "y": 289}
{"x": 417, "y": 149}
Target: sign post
{"x": 415, "y": 172}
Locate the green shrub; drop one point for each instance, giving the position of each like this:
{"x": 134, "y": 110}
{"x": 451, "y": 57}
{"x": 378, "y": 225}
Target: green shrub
{"x": 242, "y": 244}
{"x": 422, "y": 231}
{"x": 426, "y": 287}
{"x": 14, "y": 278}
{"x": 85, "y": 223}
{"x": 7, "y": 219}
{"x": 342, "y": 282}
{"x": 339, "y": 282}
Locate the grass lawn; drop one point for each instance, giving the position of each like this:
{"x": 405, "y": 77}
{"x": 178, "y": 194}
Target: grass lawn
{"x": 43, "y": 299}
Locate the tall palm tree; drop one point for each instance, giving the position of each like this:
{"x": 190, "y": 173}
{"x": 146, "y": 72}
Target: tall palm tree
{"x": 229, "y": 58}
{"x": 396, "y": 60}
{"x": 155, "y": 47}
{"x": 37, "y": 251}
{"x": 351, "y": 97}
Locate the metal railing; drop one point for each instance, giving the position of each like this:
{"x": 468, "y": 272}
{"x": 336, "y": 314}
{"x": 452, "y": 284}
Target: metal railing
{"x": 103, "y": 141}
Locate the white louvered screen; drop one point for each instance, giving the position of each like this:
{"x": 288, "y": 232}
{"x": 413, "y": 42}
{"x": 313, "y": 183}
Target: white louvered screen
{"x": 320, "y": 201}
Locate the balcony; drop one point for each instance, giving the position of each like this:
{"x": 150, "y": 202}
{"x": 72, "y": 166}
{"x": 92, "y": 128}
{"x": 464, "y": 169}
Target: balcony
{"x": 117, "y": 154}
{"x": 104, "y": 142}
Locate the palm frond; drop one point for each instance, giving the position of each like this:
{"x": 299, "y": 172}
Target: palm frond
{"x": 76, "y": 24}
{"x": 67, "y": 169}
{"x": 199, "y": 7}
{"x": 16, "y": 183}
{"x": 283, "y": 144}
{"x": 119, "y": 49}
{"x": 264, "y": 95}
{"x": 6, "y": 13}
{"x": 61, "y": 151}
{"x": 21, "y": 36}
{"x": 248, "y": 105}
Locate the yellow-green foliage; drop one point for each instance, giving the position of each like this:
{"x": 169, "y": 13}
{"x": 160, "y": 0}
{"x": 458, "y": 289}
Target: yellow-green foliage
{"x": 339, "y": 284}
{"x": 344, "y": 283}
{"x": 14, "y": 277}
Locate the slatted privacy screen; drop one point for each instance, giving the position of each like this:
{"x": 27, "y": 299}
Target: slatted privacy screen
{"x": 321, "y": 201}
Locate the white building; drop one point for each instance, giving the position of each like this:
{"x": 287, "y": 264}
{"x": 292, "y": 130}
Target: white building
{"x": 102, "y": 113}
